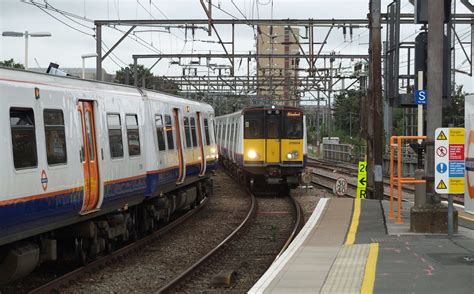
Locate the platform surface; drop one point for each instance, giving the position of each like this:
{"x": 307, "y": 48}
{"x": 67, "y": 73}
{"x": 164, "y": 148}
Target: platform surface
{"x": 351, "y": 246}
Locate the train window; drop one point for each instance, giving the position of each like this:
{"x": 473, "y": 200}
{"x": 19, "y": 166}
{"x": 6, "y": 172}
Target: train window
{"x": 89, "y": 136}
{"x": 193, "y": 132}
{"x": 114, "y": 127}
{"x": 206, "y": 132}
{"x": 55, "y": 136}
{"x": 169, "y": 132}
{"x": 22, "y": 123}
{"x": 273, "y": 126}
{"x": 253, "y": 125}
{"x": 293, "y": 125}
{"x": 160, "y": 132}
{"x": 187, "y": 131}
{"x": 133, "y": 134}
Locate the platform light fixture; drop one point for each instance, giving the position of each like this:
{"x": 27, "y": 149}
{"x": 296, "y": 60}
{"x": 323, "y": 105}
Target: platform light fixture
{"x": 26, "y": 34}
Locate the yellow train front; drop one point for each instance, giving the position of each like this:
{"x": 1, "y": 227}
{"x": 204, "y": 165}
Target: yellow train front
{"x": 264, "y": 145}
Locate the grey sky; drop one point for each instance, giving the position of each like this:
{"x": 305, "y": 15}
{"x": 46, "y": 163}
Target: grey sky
{"x": 67, "y": 45}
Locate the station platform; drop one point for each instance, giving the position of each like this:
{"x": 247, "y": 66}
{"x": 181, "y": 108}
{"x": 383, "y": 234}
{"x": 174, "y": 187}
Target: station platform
{"x": 350, "y": 246}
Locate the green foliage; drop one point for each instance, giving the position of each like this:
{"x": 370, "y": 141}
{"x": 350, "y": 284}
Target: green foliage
{"x": 347, "y": 111}
{"x": 11, "y": 63}
{"x": 453, "y": 114}
{"x": 151, "y": 81}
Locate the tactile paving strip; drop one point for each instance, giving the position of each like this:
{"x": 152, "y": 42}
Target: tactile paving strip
{"x": 347, "y": 272}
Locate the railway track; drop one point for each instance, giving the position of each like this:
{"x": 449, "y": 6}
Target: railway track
{"x": 65, "y": 280}
{"x": 351, "y": 175}
{"x": 229, "y": 264}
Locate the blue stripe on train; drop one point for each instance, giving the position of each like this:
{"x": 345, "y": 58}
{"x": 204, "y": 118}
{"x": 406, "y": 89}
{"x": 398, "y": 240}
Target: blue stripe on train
{"x": 36, "y": 213}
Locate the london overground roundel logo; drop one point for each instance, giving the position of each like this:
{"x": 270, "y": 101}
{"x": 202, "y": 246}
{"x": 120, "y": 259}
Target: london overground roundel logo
{"x": 44, "y": 180}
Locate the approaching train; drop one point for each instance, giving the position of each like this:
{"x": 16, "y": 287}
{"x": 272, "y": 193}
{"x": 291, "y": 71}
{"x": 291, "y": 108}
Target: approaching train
{"x": 87, "y": 164}
{"x": 264, "y": 145}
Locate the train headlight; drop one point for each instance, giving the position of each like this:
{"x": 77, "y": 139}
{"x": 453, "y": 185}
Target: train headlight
{"x": 252, "y": 154}
{"x": 292, "y": 155}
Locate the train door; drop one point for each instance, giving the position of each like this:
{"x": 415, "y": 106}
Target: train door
{"x": 201, "y": 143}
{"x": 272, "y": 135}
{"x": 89, "y": 157}
{"x": 179, "y": 144}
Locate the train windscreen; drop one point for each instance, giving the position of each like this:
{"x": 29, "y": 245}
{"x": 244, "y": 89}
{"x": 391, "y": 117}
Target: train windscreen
{"x": 293, "y": 125}
{"x": 253, "y": 125}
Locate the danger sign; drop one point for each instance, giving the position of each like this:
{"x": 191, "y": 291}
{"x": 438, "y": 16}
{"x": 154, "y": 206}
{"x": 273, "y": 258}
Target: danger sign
{"x": 449, "y": 161}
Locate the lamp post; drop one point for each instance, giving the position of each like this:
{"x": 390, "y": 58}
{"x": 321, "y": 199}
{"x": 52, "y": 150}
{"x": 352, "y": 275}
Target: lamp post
{"x": 26, "y": 34}
{"x": 90, "y": 55}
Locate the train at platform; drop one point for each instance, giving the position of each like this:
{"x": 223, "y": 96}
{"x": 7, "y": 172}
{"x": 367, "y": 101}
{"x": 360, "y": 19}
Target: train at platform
{"x": 87, "y": 165}
{"x": 264, "y": 145}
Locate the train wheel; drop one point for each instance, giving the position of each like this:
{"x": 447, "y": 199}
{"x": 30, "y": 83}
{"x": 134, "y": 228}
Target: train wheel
{"x": 80, "y": 252}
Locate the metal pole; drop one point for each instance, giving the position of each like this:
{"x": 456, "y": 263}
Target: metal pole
{"x": 450, "y": 215}
{"x": 98, "y": 48}
{"x": 26, "y": 49}
{"x": 375, "y": 131}
{"x": 420, "y": 107}
{"x": 83, "y": 68}
{"x": 420, "y": 189}
{"x": 435, "y": 88}
{"x": 135, "y": 73}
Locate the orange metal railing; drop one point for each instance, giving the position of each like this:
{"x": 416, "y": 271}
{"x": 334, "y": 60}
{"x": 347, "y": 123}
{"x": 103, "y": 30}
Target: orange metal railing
{"x": 399, "y": 179}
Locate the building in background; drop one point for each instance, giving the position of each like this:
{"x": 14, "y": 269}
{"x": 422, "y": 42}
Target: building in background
{"x": 277, "y": 77}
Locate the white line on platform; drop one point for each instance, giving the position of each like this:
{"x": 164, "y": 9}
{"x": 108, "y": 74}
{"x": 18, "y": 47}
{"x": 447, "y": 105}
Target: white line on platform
{"x": 278, "y": 264}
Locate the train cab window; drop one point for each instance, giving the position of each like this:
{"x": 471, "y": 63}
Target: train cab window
{"x": 293, "y": 125}
{"x": 55, "y": 136}
{"x": 133, "y": 134}
{"x": 114, "y": 126}
{"x": 206, "y": 132}
{"x": 273, "y": 126}
{"x": 253, "y": 125}
{"x": 193, "y": 132}
{"x": 169, "y": 132}
{"x": 187, "y": 131}
{"x": 160, "y": 132}
{"x": 22, "y": 123}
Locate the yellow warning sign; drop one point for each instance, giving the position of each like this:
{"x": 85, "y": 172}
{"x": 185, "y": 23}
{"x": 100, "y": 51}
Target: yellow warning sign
{"x": 456, "y": 135}
{"x": 456, "y": 185}
{"x": 442, "y": 136}
{"x": 441, "y": 185}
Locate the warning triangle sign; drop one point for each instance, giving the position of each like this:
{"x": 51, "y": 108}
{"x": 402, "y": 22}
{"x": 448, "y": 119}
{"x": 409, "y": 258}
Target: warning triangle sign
{"x": 441, "y": 185}
{"x": 442, "y": 136}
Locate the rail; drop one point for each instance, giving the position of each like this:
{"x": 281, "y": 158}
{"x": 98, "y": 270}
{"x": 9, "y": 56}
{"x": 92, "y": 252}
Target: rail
{"x": 188, "y": 272}
{"x": 65, "y": 280}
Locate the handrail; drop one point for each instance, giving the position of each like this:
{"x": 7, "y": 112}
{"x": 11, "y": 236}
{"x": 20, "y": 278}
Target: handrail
{"x": 400, "y": 180}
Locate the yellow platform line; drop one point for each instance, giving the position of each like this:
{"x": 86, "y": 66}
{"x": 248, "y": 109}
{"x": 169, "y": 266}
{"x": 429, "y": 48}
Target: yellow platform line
{"x": 467, "y": 218}
{"x": 370, "y": 270}
{"x": 354, "y": 223}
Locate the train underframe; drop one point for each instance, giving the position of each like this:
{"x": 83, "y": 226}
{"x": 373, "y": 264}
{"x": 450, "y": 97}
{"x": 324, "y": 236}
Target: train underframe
{"x": 271, "y": 178}
{"x": 82, "y": 242}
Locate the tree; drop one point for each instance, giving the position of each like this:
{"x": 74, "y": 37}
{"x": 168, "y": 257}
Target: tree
{"x": 11, "y": 63}
{"x": 145, "y": 76}
{"x": 346, "y": 112}
{"x": 453, "y": 114}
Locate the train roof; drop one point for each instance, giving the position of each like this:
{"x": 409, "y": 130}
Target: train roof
{"x": 18, "y": 75}
{"x": 263, "y": 108}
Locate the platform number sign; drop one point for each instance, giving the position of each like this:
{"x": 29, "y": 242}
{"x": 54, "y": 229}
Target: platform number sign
{"x": 362, "y": 180}
{"x": 449, "y": 161}
{"x": 421, "y": 97}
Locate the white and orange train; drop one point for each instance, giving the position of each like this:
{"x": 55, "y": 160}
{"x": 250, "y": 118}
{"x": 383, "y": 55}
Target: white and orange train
{"x": 89, "y": 164}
